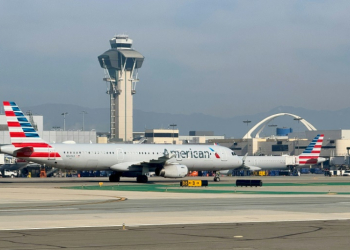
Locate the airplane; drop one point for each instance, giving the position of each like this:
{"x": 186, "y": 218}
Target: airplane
{"x": 131, "y": 160}
{"x": 310, "y": 156}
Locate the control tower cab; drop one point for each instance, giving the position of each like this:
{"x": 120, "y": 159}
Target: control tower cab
{"x": 121, "y": 64}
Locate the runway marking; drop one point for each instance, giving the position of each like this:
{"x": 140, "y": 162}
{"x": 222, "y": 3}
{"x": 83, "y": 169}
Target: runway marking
{"x": 169, "y": 224}
{"x": 37, "y": 209}
{"x": 117, "y": 199}
{"x": 214, "y": 188}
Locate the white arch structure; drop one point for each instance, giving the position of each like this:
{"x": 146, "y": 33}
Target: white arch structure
{"x": 265, "y": 121}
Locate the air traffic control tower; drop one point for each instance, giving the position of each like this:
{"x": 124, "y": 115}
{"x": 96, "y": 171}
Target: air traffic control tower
{"x": 121, "y": 64}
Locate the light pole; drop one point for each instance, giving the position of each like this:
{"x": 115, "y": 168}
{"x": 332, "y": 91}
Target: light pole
{"x": 247, "y": 122}
{"x": 84, "y": 113}
{"x": 64, "y": 120}
{"x": 298, "y": 119}
{"x": 173, "y": 125}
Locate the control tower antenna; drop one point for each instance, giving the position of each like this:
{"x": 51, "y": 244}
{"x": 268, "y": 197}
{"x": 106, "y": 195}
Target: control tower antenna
{"x": 120, "y": 65}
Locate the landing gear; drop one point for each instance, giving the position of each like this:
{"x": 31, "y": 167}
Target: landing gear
{"x": 294, "y": 171}
{"x": 142, "y": 179}
{"x": 114, "y": 177}
{"x": 217, "y": 177}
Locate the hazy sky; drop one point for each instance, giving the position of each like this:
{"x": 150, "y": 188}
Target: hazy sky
{"x": 222, "y": 58}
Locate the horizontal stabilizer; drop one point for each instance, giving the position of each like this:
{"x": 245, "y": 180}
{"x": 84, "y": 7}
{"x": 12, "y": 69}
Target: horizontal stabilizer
{"x": 23, "y": 152}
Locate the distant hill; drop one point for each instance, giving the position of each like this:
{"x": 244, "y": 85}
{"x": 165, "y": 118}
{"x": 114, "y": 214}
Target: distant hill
{"x": 230, "y": 127}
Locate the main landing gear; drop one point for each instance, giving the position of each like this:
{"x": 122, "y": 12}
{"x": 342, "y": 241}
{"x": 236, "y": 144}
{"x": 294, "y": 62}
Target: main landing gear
{"x": 142, "y": 179}
{"x": 217, "y": 177}
{"x": 114, "y": 177}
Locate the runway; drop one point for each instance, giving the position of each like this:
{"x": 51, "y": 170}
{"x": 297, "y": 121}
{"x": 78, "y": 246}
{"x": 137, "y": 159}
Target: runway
{"x": 286, "y": 235}
{"x": 40, "y": 211}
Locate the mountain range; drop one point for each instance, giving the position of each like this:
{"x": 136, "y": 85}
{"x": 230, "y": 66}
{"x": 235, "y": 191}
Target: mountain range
{"x": 98, "y": 119}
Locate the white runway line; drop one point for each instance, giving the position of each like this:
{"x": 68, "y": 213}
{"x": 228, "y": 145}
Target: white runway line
{"x": 168, "y": 224}
{"x": 37, "y": 209}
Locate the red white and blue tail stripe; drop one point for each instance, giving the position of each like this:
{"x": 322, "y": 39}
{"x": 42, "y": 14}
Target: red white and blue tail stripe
{"x": 312, "y": 152}
{"x": 24, "y": 136}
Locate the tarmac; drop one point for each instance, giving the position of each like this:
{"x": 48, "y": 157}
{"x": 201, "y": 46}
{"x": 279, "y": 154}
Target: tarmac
{"x": 307, "y": 212}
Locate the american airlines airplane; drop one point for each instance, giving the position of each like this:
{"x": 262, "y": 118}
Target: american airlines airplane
{"x": 132, "y": 160}
{"x": 310, "y": 156}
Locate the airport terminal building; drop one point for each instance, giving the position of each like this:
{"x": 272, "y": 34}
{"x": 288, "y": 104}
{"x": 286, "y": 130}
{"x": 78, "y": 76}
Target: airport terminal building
{"x": 50, "y": 136}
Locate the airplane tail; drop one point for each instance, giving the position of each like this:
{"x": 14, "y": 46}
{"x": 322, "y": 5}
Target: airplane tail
{"x": 23, "y": 136}
{"x": 311, "y": 154}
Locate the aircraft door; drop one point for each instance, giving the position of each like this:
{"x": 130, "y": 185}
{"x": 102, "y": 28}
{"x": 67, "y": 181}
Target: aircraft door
{"x": 52, "y": 154}
{"x": 120, "y": 154}
{"x": 223, "y": 155}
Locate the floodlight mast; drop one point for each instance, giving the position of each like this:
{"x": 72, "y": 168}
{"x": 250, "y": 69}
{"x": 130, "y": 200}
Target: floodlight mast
{"x": 120, "y": 65}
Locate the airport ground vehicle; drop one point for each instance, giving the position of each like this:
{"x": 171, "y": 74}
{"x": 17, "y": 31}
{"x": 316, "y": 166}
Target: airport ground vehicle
{"x": 346, "y": 173}
{"x": 8, "y": 173}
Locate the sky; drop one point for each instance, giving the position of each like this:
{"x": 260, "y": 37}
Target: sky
{"x": 221, "y": 58}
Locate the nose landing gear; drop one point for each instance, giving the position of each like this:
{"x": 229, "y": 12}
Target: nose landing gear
{"x": 217, "y": 177}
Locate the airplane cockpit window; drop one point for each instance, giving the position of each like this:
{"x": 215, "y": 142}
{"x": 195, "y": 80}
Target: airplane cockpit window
{"x": 233, "y": 153}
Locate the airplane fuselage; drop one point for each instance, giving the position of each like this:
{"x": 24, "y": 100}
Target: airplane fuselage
{"x": 109, "y": 156}
{"x": 266, "y": 162}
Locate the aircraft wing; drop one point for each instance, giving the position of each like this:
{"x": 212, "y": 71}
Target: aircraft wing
{"x": 253, "y": 168}
{"x": 126, "y": 166}
{"x": 136, "y": 165}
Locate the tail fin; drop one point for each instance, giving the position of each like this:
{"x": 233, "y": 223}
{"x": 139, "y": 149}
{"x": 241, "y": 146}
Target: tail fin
{"x": 312, "y": 152}
{"x": 22, "y": 133}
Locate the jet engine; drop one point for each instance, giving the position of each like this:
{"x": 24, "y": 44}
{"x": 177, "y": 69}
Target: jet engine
{"x": 173, "y": 171}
